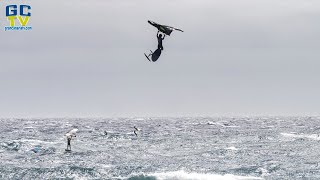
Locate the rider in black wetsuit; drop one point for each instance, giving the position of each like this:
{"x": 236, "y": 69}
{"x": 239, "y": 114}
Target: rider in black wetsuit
{"x": 160, "y": 38}
{"x": 69, "y": 143}
{"x": 135, "y": 130}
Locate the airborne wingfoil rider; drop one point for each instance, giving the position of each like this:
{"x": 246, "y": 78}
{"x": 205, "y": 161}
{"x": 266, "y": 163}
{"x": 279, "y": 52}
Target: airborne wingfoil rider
{"x": 165, "y": 30}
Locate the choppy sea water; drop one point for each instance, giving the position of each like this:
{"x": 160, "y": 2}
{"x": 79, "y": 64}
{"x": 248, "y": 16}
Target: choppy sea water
{"x": 227, "y": 148}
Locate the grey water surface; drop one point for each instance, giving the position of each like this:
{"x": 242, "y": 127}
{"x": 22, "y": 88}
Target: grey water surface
{"x": 165, "y": 148}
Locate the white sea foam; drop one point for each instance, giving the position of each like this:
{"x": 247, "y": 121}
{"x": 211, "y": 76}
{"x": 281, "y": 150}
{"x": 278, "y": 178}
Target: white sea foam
{"x": 35, "y": 141}
{"x": 182, "y": 175}
{"x": 232, "y": 148}
{"x": 303, "y": 136}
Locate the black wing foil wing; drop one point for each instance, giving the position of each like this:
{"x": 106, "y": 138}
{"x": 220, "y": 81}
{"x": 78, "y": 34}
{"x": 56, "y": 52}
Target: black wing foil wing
{"x": 164, "y": 29}
{"x": 173, "y": 28}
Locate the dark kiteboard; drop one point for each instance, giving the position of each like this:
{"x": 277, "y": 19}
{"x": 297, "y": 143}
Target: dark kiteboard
{"x": 154, "y": 55}
{"x": 163, "y": 28}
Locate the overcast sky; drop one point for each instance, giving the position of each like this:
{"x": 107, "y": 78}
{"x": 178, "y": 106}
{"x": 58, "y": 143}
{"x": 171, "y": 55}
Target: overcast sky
{"x": 85, "y": 58}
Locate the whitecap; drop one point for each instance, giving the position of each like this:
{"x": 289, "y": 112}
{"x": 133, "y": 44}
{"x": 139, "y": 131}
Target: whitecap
{"x": 232, "y": 148}
{"x": 302, "y": 136}
{"x": 182, "y": 175}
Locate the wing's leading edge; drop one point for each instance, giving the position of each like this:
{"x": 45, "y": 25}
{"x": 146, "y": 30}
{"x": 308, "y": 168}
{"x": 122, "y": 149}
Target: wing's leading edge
{"x": 163, "y": 28}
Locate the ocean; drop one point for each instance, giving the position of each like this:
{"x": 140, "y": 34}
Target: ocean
{"x": 215, "y": 148}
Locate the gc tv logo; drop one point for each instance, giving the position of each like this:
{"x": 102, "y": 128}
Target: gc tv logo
{"x": 18, "y": 17}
